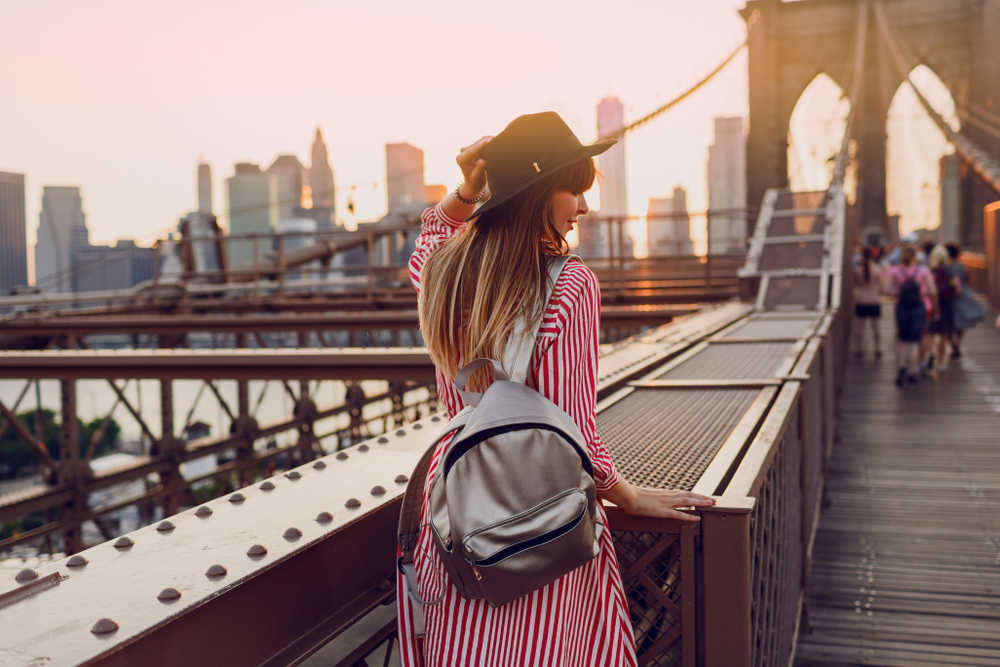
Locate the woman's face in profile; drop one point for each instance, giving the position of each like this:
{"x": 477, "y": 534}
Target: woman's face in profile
{"x": 566, "y": 209}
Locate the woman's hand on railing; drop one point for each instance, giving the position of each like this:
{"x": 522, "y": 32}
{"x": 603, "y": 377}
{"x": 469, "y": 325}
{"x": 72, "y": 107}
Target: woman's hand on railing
{"x": 658, "y": 503}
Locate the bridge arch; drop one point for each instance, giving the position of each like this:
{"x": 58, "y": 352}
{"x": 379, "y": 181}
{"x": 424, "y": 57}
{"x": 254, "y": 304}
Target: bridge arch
{"x": 815, "y": 129}
{"x": 794, "y": 41}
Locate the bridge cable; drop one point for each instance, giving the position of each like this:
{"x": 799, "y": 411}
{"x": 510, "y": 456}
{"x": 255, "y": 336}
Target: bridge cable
{"x": 840, "y": 166}
{"x": 986, "y": 167}
{"x": 618, "y": 134}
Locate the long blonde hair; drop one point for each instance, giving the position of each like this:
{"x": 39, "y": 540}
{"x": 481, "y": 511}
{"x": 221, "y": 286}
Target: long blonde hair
{"x": 477, "y": 284}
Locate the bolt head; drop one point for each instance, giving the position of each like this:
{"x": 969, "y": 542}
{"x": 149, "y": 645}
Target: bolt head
{"x": 378, "y": 491}
{"x": 204, "y": 510}
{"x": 402, "y": 479}
{"x": 401, "y": 432}
{"x": 324, "y": 517}
{"x": 382, "y": 440}
{"x": 418, "y": 426}
{"x": 319, "y": 465}
{"x": 292, "y": 533}
{"x": 363, "y": 448}
{"x": 237, "y": 497}
{"x": 257, "y": 550}
{"x": 293, "y": 474}
{"x": 435, "y": 418}
{"x": 76, "y": 561}
{"x": 165, "y": 526}
{"x": 216, "y": 571}
{"x": 25, "y": 575}
{"x": 352, "y": 503}
{"x": 103, "y": 626}
{"x": 123, "y": 542}
{"x": 168, "y": 594}
{"x": 342, "y": 456}
{"x": 268, "y": 485}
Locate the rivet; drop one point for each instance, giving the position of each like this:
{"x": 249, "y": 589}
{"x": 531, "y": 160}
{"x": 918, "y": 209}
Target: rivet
{"x": 418, "y": 426}
{"x": 402, "y": 479}
{"x": 363, "y": 448}
{"x": 237, "y": 498}
{"x": 435, "y": 418}
{"x": 341, "y": 456}
{"x": 382, "y": 440}
{"x": 378, "y": 491}
{"x": 352, "y": 502}
{"x": 293, "y": 474}
{"x": 216, "y": 571}
{"x": 165, "y": 526}
{"x": 268, "y": 485}
{"x": 401, "y": 432}
{"x": 104, "y": 625}
{"x": 27, "y": 574}
{"x": 168, "y": 594}
{"x": 292, "y": 534}
{"x": 257, "y": 550}
{"x": 124, "y": 542}
{"x": 324, "y": 517}
{"x": 204, "y": 510}
{"x": 76, "y": 561}
{"x": 319, "y": 465}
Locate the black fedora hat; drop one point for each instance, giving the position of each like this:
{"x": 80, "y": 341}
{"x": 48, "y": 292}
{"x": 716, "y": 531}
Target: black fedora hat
{"x": 529, "y": 149}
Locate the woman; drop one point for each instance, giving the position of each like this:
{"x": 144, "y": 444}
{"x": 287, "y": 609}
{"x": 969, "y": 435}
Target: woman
{"x": 868, "y": 299}
{"x": 476, "y": 273}
{"x": 912, "y": 286}
{"x": 948, "y": 288}
{"x": 967, "y": 310}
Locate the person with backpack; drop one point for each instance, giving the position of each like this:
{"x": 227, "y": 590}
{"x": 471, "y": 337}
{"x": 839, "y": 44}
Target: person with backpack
{"x": 867, "y": 299}
{"x": 948, "y": 288}
{"x": 912, "y": 286}
{"x": 968, "y": 311}
{"x": 512, "y": 325}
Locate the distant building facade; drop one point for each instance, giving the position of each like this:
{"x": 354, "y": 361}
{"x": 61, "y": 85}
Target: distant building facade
{"x": 321, "y": 185}
{"x": 404, "y": 174}
{"x": 290, "y": 176}
{"x": 13, "y": 231}
{"x": 727, "y": 188}
{"x": 62, "y": 232}
{"x": 668, "y": 226}
{"x": 253, "y": 208}
{"x": 597, "y": 238}
{"x": 204, "y": 188}
{"x": 118, "y": 267}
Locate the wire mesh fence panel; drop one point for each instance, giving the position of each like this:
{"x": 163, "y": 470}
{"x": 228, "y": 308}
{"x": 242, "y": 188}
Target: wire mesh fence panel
{"x": 796, "y": 225}
{"x": 773, "y": 328}
{"x": 799, "y": 201}
{"x": 666, "y": 438}
{"x": 777, "y": 550}
{"x": 732, "y": 361}
{"x": 793, "y": 291}
{"x": 802, "y": 255}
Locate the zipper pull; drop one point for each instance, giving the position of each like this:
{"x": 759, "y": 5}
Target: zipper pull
{"x": 475, "y": 571}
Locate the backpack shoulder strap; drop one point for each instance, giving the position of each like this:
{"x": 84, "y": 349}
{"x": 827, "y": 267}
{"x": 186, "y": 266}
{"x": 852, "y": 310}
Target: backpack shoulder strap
{"x": 520, "y": 347}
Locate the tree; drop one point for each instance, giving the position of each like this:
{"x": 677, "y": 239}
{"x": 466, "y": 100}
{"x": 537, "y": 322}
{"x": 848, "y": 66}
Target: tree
{"x": 17, "y": 459}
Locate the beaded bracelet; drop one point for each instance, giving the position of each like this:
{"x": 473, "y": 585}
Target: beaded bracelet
{"x": 469, "y": 202}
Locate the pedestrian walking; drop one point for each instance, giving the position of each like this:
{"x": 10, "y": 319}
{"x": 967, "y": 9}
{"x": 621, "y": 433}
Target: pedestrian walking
{"x": 912, "y": 287}
{"x": 478, "y": 272}
{"x": 948, "y": 288}
{"x": 968, "y": 311}
{"x": 867, "y": 300}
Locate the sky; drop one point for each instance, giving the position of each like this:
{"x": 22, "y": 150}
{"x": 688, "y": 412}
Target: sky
{"x": 125, "y": 98}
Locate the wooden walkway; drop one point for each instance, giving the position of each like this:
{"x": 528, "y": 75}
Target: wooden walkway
{"x": 906, "y": 562}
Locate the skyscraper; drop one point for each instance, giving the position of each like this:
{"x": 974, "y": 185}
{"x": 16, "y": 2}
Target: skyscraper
{"x": 290, "y": 176}
{"x": 668, "y": 226}
{"x": 727, "y": 188}
{"x": 204, "y": 188}
{"x": 404, "y": 174}
{"x": 594, "y": 236}
{"x": 13, "y": 228}
{"x": 321, "y": 184}
{"x": 62, "y": 231}
{"x": 253, "y": 208}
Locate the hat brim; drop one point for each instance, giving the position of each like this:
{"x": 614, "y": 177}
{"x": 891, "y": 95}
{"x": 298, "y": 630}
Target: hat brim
{"x": 581, "y": 153}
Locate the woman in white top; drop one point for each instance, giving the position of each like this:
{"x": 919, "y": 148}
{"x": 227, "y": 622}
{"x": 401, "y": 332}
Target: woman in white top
{"x": 867, "y": 299}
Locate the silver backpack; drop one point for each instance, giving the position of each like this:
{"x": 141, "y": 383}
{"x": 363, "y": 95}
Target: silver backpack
{"x": 513, "y": 505}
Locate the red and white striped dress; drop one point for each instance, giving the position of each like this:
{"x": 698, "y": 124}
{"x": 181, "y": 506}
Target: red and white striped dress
{"x": 582, "y": 618}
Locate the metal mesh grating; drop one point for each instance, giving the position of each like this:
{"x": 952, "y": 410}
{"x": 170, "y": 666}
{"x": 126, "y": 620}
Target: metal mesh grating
{"x": 792, "y": 291}
{"x": 780, "y": 256}
{"x": 731, "y": 361}
{"x": 653, "y": 593}
{"x": 666, "y": 438}
{"x": 797, "y": 201}
{"x": 791, "y": 328}
{"x": 796, "y": 225}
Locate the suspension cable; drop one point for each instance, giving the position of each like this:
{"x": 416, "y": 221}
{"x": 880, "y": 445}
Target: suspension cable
{"x": 980, "y": 161}
{"x": 840, "y": 166}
